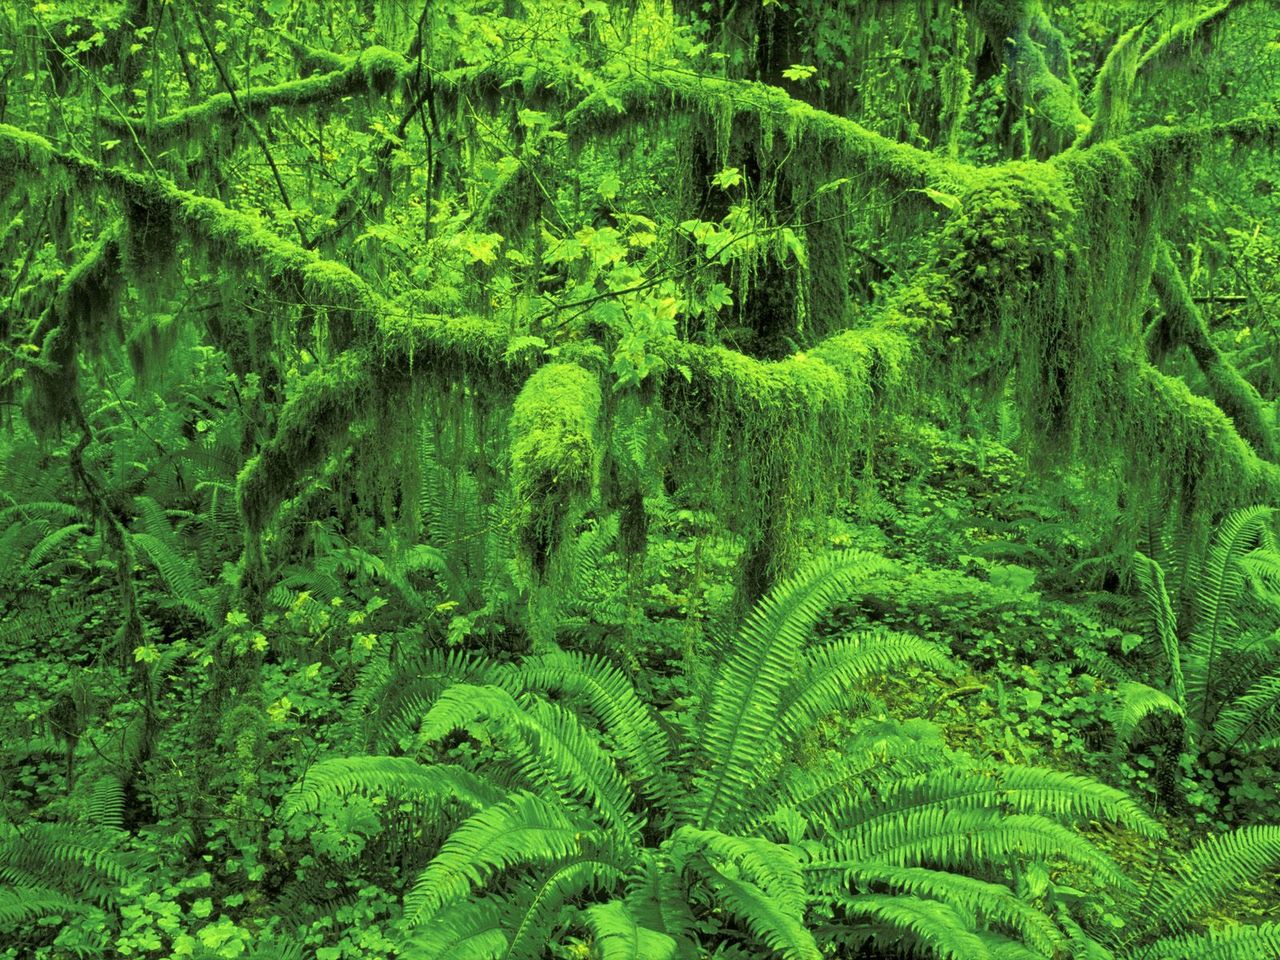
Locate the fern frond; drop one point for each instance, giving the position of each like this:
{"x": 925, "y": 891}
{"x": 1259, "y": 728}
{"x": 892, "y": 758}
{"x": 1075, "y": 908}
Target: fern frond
{"x": 521, "y": 830}
{"x": 471, "y": 930}
{"x": 394, "y": 695}
{"x": 830, "y": 671}
{"x": 22, "y": 905}
{"x": 762, "y": 662}
{"x": 1137, "y": 703}
{"x": 548, "y": 744}
{"x": 771, "y": 923}
{"x": 50, "y": 544}
{"x": 928, "y": 923}
{"x": 1251, "y": 719}
{"x": 1013, "y": 788}
{"x": 399, "y": 779}
{"x": 1161, "y": 622}
{"x": 993, "y": 903}
{"x": 618, "y": 936}
{"x": 106, "y": 802}
{"x": 964, "y": 840}
{"x": 607, "y": 695}
{"x": 1212, "y": 869}
{"x": 62, "y": 857}
{"x": 1239, "y": 942}
{"x": 177, "y": 573}
{"x": 657, "y": 899}
{"x": 1218, "y": 588}
{"x": 773, "y": 867}
{"x": 536, "y": 910}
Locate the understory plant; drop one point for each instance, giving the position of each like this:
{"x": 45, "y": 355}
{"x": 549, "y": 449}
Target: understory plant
{"x": 1214, "y": 636}
{"x": 554, "y": 803}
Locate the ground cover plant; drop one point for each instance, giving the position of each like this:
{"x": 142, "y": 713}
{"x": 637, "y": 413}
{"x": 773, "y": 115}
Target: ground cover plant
{"x": 639, "y": 480}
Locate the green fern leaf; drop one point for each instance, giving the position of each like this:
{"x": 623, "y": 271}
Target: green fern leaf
{"x": 618, "y": 936}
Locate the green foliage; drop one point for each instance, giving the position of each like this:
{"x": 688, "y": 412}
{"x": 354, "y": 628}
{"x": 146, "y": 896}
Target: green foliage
{"x": 423, "y": 431}
{"x": 793, "y": 842}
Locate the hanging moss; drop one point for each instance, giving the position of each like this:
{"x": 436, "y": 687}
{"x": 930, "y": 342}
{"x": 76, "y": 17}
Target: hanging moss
{"x": 555, "y": 455}
{"x": 1186, "y": 32}
{"x": 150, "y": 241}
{"x": 310, "y": 423}
{"x": 87, "y": 299}
{"x": 21, "y": 153}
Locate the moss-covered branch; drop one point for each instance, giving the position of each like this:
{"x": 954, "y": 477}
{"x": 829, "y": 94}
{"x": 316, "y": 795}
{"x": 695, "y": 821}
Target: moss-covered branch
{"x": 724, "y": 103}
{"x": 376, "y": 69}
{"x": 1185, "y": 32}
{"x": 1183, "y": 323}
{"x": 1185, "y": 444}
{"x": 352, "y": 305}
{"x": 1045, "y": 113}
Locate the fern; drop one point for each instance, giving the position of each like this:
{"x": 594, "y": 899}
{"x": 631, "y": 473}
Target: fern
{"x": 1229, "y": 698}
{"x": 1217, "y": 591}
{"x": 747, "y": 692}
{"x": 618, "y": 936}
{"x": 1213, "y": 868}
{"x": 1139, "y": 703}
{"x": 521, "y": 829}
{"x": 398, "y": 779}
{"x": 581, "y": 791}
{"x": 474, "y": 931}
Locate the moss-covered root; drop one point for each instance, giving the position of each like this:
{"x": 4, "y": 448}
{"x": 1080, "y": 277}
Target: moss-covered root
{"x": 555, "y": 455}
{"x": 1184, "y": 324}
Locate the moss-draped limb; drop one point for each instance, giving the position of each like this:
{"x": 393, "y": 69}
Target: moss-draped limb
{"x": 376, "y": 69}
{"x": 1185, "y": 32}
{"x": 319, "y": 412}
{"x": 1040, "y": 85}
{"x": 1183, "y": 323}
{"x": 555, "y": 454}
{"x": 1113, "y": 86}
{"x": 726, "y": 102}
{"x": 1183, "y": 445}
{"x": 352, "y": 306}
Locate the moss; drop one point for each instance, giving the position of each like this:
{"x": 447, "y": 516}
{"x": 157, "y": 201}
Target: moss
{"x": 310, "y": 423}
{"x": 1185, "y": 32}
{"x": 86, "y": 300}
{"x": 375, "y": 69}
{"x": 381, "y": 68}
{"x": 555, "y": 455}
{"x": 1183, "y": 323}
{"x": 1113, "y": 86}
{"x": 725, "y": 104}
{"x": 22, "y": 152}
